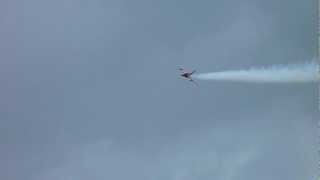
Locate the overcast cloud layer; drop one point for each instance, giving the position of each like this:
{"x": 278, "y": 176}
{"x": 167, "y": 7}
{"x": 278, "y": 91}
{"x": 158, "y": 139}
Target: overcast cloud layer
{"x": 90, "y": 90}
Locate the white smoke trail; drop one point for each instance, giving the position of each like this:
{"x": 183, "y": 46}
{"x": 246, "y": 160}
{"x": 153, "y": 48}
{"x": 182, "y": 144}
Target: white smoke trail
{"x": 299, "y": 73}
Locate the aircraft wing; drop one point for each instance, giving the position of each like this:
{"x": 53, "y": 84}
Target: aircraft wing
{"x": 194, "y": 82}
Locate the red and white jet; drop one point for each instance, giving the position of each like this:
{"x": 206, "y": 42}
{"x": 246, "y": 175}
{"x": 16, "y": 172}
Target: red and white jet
{"x": 187, "y": 75}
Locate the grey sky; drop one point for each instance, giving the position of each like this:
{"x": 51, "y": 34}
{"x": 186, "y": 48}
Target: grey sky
{"x": 90, "y": 90}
